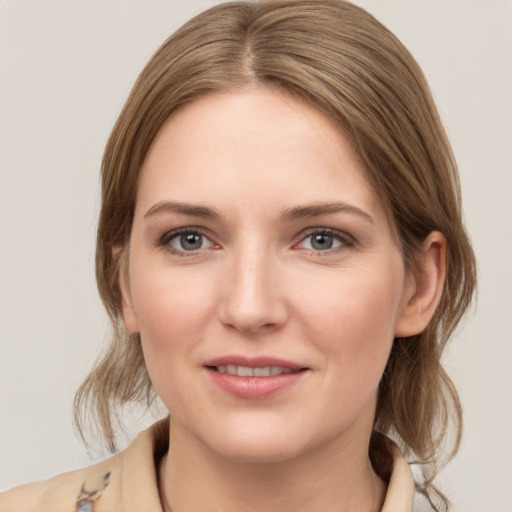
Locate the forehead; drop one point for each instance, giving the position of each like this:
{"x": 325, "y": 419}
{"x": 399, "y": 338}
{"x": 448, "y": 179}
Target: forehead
{"x": 252, "y": 145}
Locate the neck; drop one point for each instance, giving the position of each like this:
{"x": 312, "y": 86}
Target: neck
{"x": 330, "y": 478}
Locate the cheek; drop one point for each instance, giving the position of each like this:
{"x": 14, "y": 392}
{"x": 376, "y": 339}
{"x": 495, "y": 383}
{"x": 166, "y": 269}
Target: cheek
{"x": 167, "y": 300}
{"x": 173, "y": 310}
{"x": 352, "y": 319}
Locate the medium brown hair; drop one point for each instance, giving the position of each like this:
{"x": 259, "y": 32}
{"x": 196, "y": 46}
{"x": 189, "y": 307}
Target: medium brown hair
{"x": 338, "y": 57}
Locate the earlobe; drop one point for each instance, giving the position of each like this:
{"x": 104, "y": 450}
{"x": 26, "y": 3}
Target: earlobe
{"x": 424, "y": 288}
{"x": 129, "y": 317}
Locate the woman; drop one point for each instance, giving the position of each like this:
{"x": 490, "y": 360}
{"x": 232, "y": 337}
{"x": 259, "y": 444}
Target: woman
{"x": 281, "y": 253}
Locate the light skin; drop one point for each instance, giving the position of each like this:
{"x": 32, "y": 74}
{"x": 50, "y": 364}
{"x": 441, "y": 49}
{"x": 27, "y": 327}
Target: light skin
{"x": 257, "y": 234}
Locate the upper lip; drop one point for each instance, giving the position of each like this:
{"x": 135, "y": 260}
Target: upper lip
{"x": 253, "y": 362}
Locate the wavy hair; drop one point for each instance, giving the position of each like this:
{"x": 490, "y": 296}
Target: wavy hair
{"x": 338, "y": 57}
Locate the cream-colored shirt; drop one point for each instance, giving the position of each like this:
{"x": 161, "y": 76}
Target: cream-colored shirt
{"x": 128, "y": 482}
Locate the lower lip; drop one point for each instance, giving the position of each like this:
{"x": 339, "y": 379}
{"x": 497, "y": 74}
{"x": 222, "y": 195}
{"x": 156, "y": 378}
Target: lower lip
{"x": 254, "y": 388}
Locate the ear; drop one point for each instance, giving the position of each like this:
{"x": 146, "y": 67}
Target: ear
{"x": 424, "y": 287}
{"x": 129, "y": 317}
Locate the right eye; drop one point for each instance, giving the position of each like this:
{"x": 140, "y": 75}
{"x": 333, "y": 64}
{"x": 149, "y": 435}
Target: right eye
{"x": 186, "y": 241}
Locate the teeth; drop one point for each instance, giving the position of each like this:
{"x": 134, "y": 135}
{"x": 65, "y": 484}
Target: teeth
{"x": 246, "y": 371}
{"x": 262, "y": 372}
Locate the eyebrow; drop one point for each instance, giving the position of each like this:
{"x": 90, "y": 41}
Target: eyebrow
{"x": 182, "y": 208}
{"x": 293, "y": 213}
{"x": 315, "y": 210}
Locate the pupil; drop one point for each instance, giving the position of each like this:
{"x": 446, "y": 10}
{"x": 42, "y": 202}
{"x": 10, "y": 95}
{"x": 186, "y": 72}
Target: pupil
{"x": 191, "y": 241}
{"x": 322, "y": 242}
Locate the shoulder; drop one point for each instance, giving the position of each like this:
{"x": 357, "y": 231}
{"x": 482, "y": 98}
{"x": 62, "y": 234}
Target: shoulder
{"x": 63, "y": 492}
{"x": 125, "y": 482}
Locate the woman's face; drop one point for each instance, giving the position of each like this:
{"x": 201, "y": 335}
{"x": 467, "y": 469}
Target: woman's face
{"x": 264, "y": 277}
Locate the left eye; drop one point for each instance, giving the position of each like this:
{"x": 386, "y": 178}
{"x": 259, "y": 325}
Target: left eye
{"x": 189, "y": 241}
{"x": 322, "y": 241}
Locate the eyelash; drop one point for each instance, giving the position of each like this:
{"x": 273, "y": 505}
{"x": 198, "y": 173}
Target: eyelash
{"x": 344, "y": 239}
{"x": 166, "y": 239}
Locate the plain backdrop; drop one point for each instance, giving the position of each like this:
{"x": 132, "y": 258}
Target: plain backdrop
{"x": 65, "y": 71}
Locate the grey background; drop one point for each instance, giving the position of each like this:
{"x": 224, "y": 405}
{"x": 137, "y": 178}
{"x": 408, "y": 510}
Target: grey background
{"x": 65, "y": 71}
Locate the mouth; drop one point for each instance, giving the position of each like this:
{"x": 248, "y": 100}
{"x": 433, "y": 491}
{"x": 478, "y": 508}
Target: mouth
{"x": 248, "y": 371}
{"x": 254, "y": 378}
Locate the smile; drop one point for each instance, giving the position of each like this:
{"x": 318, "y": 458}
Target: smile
{"x": 247, "y": 371}
{"x": 254, "y": 378}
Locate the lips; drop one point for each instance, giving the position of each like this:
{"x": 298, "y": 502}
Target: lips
{"x": 247, "y": 371}
{"x": 254, "y": 378}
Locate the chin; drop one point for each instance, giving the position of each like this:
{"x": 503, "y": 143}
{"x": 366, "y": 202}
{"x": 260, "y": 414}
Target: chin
{"x": 258, "y": 453}
{"x": 259, "y": 445}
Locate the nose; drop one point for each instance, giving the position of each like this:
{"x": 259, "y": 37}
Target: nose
{"x": 252, "y": 297}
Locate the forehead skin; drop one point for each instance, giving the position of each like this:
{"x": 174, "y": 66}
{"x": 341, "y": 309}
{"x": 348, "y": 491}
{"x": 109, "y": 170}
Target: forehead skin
{"x": 284, "y": 127}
